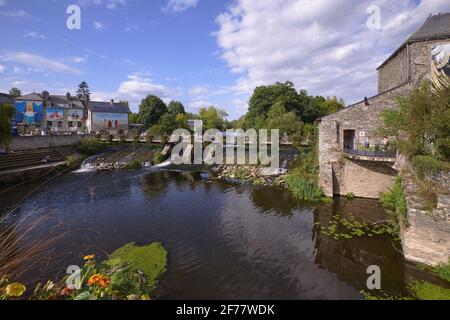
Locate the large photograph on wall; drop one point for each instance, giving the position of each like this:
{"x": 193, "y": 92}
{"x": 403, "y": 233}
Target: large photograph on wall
{"x": 440, "y": 65}
{"x": 28, "y": 112}
{"x": 110, "y": 120}
{"x": 74, "y": 115}
{"x": 55, "y": 114}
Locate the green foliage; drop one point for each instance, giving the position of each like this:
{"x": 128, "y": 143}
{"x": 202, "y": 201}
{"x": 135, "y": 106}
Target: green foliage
{"x": 212, "y": 118}
{"x": 151, "y": 259}
{"x": 134, "y": 165}
{"x": 443, "y": 271}
{"x": 428, "y": 165}
{"x": 175, "y": 107}
{"x": 158, "y": 158}
{"x": 304, "y": 189}
{"x": 15, "y": 92}
{"x": 71, "y": 161}
{"x": 126, "y": 280}
{"x": 151, "y": 110}
{"x": 7, "y": 112}
{"x": 83, "y": 90}
{"x": 421, "y": 123}
{"x": 286, "y": 122}
{"x": 429, "y": 291}
{"x": 90, "y": 146}
{"x": 133, "y": 118}
{"x": 395, "y": 204}
{"x": 350, "y": 196}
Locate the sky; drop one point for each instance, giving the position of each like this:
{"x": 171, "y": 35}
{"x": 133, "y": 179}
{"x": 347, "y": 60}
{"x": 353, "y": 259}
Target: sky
{"x": 203, "y": 52}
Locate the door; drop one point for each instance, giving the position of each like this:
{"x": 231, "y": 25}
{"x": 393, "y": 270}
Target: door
{"x": 349, "y": 139}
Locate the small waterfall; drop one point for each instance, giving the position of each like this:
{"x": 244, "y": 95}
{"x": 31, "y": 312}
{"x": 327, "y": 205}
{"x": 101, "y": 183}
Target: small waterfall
{"x": 87, "y": 166}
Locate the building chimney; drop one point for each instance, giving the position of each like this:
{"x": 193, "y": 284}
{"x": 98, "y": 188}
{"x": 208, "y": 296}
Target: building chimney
{"x": 112, "y": 102}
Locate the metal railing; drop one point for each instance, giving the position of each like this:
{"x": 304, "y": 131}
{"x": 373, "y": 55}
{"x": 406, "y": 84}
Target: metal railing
{"x": 369, "y": 153}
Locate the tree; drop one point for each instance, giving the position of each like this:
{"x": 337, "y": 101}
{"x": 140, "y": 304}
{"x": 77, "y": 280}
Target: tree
{"x": 287, "y": 122}
{"x": 331, "y": 105}
{"x": 151, "y": 110}
{"x": 265, "y": 97}
{"x": 175, "y": 107}
{"x": 7, "y": 112}
{"x": 83, "y": 91}
{"x": 212, "y": 118}
{"x": 133, "y": 118}
{"x": 15, "y": 92}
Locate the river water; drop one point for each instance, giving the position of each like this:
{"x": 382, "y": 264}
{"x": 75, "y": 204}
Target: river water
{"x": 225, "y": 241}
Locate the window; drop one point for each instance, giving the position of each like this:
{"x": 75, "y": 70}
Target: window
{"x": 79, "y": 124}
{"x": 60, "y": 124}
{"x": 70, "y": 124}
{"x": 49, "y": 124}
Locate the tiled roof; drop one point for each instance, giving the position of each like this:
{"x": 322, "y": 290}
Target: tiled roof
{"x": 101, "y": 106}
{"x": 63, "y": 101}
{"x": 435, "y": 27}
{"x": 5, "y": 98}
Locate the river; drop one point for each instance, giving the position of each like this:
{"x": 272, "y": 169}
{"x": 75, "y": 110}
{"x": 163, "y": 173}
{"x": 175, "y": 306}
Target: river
{"x": 225, "y": 241}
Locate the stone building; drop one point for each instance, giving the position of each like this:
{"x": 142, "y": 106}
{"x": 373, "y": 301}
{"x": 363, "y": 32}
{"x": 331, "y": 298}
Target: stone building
{"x": 353, "y": 157}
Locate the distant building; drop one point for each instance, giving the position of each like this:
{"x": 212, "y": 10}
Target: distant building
{"x": 352, "y": 156}
{"x": 6, "y": 98}
{"x": 107, "y": 116}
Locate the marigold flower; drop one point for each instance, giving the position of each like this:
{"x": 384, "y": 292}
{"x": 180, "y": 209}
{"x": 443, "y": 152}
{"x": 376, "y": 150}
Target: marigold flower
{"x": 89, "y": 257}
{"x": 66, "y": 291}
{"x": 100, "y": 280}
{"x": 15, "y": 289}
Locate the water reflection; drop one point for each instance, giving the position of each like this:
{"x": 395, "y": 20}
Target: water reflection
{"x": 224, "y": 241}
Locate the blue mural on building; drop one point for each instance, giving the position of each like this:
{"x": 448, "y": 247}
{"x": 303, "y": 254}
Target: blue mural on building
{"x": 29, "y": 112}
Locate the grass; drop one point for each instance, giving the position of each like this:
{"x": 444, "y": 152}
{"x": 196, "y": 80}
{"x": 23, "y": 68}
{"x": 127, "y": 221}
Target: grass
{"x": 394, "y": 202}
{"x": 90, "y": 146}
{"x": 134, "y": 165}
{"x": 151, "y": 259}
{"x": 429, "y": 291}
{"x": 443, "y": 271}
{"x": 428, "y": 165}
{"x": 158, "y": 158}
{"x": 72, "y": 161}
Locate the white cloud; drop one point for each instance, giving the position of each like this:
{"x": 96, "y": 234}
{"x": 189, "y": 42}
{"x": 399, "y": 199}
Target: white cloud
{"x": 110, "y": 4}
{"x": 2, "y": 3}
{"x": 35, "y": 62}
{"x": 138, "y": 86}
{"x": 180, "y": 5}
{"x": 198, "y": 91}
{"x": 34, "y": 34}
{"x": 97, "y": 25}
{"x": 2, "y": 68}
{"x": 323, "y": 46}
{"x": 76, "y": 59}
{"x": 15, "y": 14}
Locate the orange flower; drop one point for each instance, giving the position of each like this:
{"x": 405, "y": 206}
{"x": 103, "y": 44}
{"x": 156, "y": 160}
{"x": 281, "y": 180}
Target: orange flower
{"x": 89, "y": 257}
{"x": 100, "y": 280}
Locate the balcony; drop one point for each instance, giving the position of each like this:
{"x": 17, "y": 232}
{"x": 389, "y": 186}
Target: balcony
{"x": 370, "y": 155}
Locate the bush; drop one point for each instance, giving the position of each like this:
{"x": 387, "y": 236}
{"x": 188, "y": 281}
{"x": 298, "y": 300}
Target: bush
{"x": 158, "y": 158}
{"x": 428, "y": 165}
{"x": 443, "y": 149}
{"x": 134, "y": 165}
{"x": 350, "y": 196}
{"x": 71, "y": 161}
{"x": 394, "y": 202}
{"x": 303, "y": 189}
{"x": 443, "y": 271}
{"x": 90, "y": 146}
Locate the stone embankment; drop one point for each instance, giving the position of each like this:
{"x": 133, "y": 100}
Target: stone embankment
{"x": 426, "y": 238}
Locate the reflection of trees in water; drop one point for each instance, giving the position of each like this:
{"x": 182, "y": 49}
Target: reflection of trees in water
{"x": 272, "y": 200}
{"x": 350, "y": 258}
{"x": 155, "y": 185}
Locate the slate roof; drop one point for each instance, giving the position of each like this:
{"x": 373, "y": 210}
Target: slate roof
{"x": 62, "y": 101}
{"x": 30, "y": 97}
{"x": 435, "y": 27}
{"x": 101, "y": 106}
{"x": 5, "y": 98}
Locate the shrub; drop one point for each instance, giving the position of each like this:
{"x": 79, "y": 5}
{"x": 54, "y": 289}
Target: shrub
{"x": 158, "y": 158}
{"x": 90, "y": 146}
{"x": 134, "y": 165}
{"x": 443, "y": 271}
{"x": 443, "y": 149}
{"x": 428, "y": 165}
{"x": 394, "y": 202}
{"x": 71, "y": 161}
{"x": 350, "y": 196}
{"x": 303, "y": 189}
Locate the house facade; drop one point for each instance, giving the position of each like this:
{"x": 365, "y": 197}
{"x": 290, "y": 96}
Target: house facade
{"x": 108, "y": 117}
{"x": 353, "y": 156}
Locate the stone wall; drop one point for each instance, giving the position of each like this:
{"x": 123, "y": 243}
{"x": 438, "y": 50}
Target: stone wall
{"x": 338, "y": 175}
{"x": 394, "y": 72}
{"x": 42, "y": 142}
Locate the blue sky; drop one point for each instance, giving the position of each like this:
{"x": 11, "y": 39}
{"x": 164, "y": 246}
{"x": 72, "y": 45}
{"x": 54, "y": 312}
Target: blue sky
{"x": 202, "y": 52}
